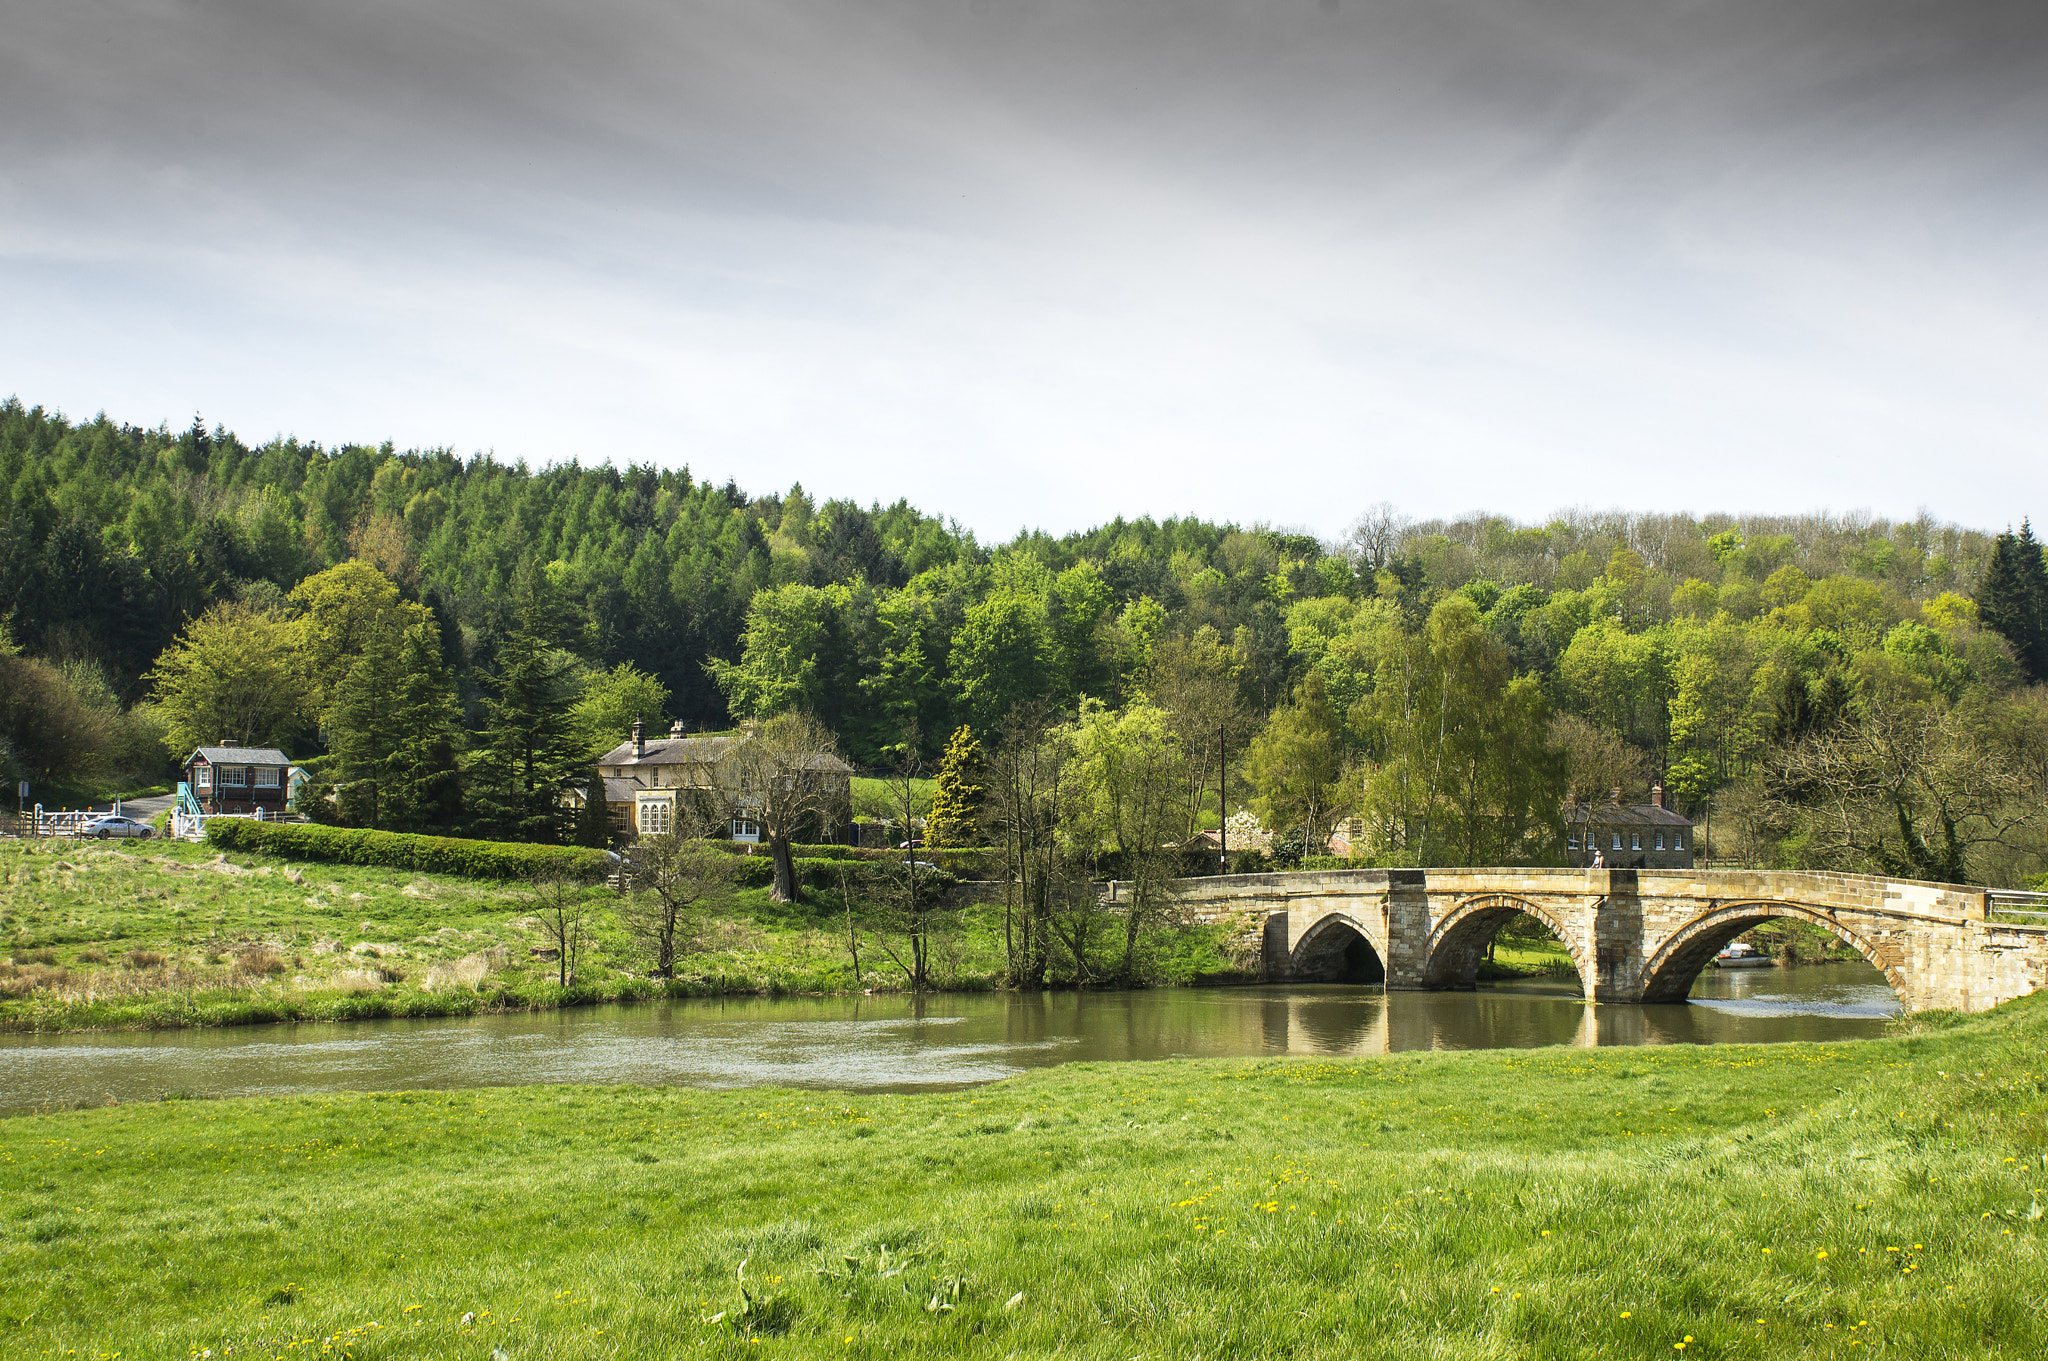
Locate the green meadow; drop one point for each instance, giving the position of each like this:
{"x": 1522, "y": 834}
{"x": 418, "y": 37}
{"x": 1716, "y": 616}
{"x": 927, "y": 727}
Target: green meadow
{"x": 162, "y": 934}
{"x": 1874, "y": 1198}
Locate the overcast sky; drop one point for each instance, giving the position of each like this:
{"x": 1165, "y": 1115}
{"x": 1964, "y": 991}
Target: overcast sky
{"x": 1045, "y": 262}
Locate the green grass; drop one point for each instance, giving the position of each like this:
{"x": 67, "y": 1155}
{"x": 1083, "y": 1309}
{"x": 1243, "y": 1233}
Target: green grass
{"x": 245, "y": 938}
{"x": 1875, "y": 1198}
{"x": 157, "y": 934}
{"x": 1526, "y": 958}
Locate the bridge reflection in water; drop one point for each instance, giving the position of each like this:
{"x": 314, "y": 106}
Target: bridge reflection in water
{"x": 1831, "y": 1002}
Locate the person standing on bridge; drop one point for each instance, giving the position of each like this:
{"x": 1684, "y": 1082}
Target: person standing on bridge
{"x": 1599, "y": 860}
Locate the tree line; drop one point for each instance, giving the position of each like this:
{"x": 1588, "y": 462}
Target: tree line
{"x": 1838, "y": 690}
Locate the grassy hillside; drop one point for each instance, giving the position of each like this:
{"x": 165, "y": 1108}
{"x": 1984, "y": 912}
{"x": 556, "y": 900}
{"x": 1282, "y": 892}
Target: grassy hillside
{"x": 163, "y": 933}
{"x": 158, "y": 934}
{"x": 1858, "y": 1199}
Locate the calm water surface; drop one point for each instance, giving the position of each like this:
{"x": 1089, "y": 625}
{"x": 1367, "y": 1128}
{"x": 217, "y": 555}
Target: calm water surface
{"x": 897, "y": 1044}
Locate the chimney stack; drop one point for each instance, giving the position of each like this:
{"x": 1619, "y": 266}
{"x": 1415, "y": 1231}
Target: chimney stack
{"x": 675, "y": 729}
{"x": 1615, "y": 795}
{"x": 229, "y": 742}
{"x": 1657, "y": 795}
{"x": 639, "y": 740}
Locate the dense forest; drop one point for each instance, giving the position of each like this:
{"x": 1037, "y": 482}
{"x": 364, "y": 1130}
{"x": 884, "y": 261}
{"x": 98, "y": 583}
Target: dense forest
{"x": 1842, "y": 690}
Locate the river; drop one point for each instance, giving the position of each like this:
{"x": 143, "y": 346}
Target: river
{"x": 905, "y": 1044}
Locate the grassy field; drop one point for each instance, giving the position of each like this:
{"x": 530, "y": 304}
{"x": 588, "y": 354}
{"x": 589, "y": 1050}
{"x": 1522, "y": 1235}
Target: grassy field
{"x": 161, "y": 933}
{"x": 1876, "y": 1198}
{"x": 165, "y": 933}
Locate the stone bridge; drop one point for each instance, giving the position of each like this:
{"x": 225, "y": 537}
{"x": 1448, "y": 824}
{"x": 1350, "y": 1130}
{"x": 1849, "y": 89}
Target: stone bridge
{"x": 1633, "y": 935}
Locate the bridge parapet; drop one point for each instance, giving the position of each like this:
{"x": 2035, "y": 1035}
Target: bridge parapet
{"x": 1634, "y": 935}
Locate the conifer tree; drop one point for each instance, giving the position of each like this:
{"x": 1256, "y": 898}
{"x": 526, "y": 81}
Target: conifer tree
{"x": 955, "y": 816}
{"x": 529, "y": 756}
{"x": 593, "y": 821}
{"x": 425, "y": 791}
{"x": 363, "y": 733}
{"x": 2013, "y": 598}
{"x": 394, "y": 734}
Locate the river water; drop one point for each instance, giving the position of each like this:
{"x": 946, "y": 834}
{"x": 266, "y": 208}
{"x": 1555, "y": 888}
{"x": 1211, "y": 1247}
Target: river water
{"x": 903, "y": 1044}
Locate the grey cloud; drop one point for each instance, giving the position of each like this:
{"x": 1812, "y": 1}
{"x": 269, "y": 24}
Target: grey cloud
{"x": 1513, "y": 230}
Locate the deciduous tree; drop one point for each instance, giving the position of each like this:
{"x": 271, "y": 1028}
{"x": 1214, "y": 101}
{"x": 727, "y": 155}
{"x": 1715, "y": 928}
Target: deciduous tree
{"x": 790, "y": 777}
{"x": 230, "y": 675}
{"x": 673, "y": 875}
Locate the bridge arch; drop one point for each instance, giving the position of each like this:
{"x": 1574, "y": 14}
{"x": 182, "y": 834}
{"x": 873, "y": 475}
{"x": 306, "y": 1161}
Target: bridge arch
{"x": 1669, "y": 973}
{"x": 1339, "y": 948}
{"x": 1458, "y": 940}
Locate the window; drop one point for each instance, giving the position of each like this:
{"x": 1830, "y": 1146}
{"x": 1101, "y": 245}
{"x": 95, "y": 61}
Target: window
{"x": 266, "y": 777}
{"x": 1678, "y": 841}
{"x": 656, "y": 818}
{"x": 1660, "y": 841}
{"x": 235, "y": 777}
{"x": 1571, "y": 841}
{"x": 745, "y": 829}
{"x": 1617, "y": 841}
{"x": 1635, "y": 841}
{"x": 206, "y": 777}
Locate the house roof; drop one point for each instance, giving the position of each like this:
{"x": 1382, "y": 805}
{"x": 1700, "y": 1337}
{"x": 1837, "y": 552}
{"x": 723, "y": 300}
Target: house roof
{"x": 676, "y": 751}
{"x": 670, "y": 751}
{"x": 1626, "y": 815}
{"x": 620, "y": 788}
{"x": 240, "y": 756}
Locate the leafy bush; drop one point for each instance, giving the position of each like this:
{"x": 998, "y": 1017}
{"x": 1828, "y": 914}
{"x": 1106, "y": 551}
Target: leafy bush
{"x": 758, "y": 871}
{"x": 400, "y": 850}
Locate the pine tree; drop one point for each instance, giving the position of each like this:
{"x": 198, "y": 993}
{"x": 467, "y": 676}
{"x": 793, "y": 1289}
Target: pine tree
{"x": 2012, "y": 598}
{"x": 593, "y": 822}
{"x": 955, "y": 815}
{"x": 362, "y": 732}
{"x": 394, "y": 734}
{"x": 529, "y": 755}
{"x": 424, "y": 786}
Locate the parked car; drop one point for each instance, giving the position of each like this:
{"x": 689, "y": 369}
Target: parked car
{"x": 113, "y": 824}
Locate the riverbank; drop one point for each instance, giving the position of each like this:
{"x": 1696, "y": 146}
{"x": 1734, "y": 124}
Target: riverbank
{"x": 159, "y": 935}
{"x": 1671, "y": 1201}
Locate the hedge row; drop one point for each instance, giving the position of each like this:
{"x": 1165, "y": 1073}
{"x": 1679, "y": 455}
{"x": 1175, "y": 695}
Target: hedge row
{"x": 971, "y": 862}
{"x": 400, "y": 850}
{"x": 758, "y": 871}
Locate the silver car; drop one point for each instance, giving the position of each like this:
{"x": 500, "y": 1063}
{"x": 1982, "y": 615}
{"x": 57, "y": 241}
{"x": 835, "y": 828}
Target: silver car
{"x": 113, "y": 824}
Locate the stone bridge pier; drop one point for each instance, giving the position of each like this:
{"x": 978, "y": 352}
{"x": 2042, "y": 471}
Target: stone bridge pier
{"x": 1633, "y": 935}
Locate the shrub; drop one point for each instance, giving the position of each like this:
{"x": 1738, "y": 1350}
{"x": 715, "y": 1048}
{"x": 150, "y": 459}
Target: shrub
{"x": 92, "y": 955}
{"x": 259, "y": 962}
{"x": 143, "y": 959}
{"x": 971, "y": 862}
{"x": 401, "y": 850}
